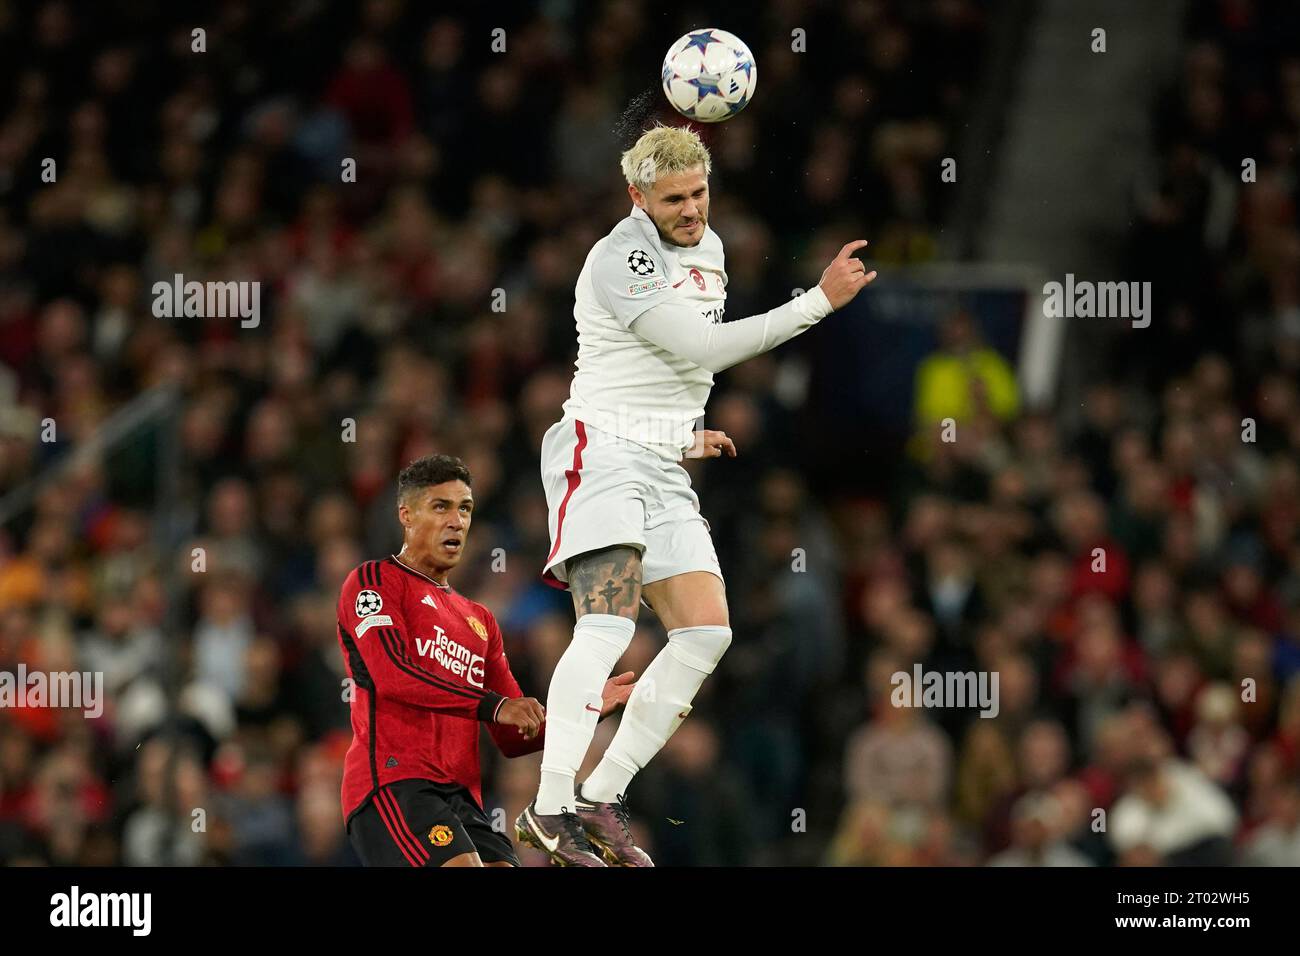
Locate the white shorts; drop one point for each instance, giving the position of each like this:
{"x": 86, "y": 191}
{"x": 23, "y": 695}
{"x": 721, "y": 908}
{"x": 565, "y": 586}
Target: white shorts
{"x": 602, "y": 491}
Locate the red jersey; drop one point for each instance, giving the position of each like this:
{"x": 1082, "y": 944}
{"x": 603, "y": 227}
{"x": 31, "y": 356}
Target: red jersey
{"x": 428, "y": 667}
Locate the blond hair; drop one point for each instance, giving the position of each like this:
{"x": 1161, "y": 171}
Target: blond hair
{"x": 663, "y": 151}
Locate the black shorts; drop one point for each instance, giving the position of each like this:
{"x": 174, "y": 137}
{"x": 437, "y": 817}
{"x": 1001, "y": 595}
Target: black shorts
{"x": 422, "y": 823}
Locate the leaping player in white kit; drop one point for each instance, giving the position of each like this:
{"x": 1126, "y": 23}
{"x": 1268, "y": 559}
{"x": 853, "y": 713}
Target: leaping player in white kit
{"x": 625, "y": 524}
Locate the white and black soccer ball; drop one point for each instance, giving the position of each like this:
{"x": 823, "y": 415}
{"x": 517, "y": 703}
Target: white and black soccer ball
{"x": 640, "y": 263}
{"x": 709, "y": 75}
{"x": 369, "y": 602}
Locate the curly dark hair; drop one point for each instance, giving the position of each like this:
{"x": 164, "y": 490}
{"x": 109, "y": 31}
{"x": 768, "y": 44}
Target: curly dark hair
{"x": 431, "y": 470}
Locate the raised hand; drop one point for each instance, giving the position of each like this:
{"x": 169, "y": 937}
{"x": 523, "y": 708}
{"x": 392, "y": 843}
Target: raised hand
{"x": 846, "y": 276}
{"x": 616, "y": 692}
{"x": 711, "y": 444}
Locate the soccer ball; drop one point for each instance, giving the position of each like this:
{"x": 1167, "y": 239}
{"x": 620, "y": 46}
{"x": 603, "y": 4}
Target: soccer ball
{"x": 709, "y": 75}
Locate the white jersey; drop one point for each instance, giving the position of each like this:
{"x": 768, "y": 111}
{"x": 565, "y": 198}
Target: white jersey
{"x": 624, "y": 384}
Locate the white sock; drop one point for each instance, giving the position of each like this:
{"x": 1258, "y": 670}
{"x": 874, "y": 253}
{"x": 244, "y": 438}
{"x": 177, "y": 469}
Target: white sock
{"x": 658, "y": 705}
{"x": 573, "y": 703}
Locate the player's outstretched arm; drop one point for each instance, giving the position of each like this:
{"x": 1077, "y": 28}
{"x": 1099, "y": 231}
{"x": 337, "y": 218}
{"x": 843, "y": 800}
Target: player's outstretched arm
{"x": 716, "y": 347}
{"x": 520, "y": 725}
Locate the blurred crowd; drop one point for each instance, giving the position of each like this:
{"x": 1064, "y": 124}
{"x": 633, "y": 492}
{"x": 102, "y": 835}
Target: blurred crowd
{"x": 1131, "y": 571}
{"x": 1136, "y": 587}
{"x": 205, "y": 592}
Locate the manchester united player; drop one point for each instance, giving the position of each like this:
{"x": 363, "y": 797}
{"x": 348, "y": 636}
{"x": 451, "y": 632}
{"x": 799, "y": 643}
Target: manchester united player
{"x": 429, "y": 668}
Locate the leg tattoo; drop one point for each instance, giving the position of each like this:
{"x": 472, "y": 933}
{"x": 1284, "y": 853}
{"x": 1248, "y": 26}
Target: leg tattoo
{"x": 606, "y": 581}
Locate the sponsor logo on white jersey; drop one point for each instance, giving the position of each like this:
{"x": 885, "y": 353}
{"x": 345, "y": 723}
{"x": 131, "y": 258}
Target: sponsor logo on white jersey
{"x": 649, "y": 285}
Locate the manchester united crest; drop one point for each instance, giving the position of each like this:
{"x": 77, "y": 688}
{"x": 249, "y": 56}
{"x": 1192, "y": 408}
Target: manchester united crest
{"x": 478, "y": 627}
